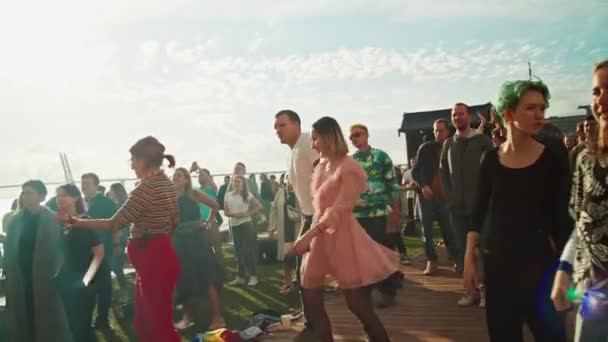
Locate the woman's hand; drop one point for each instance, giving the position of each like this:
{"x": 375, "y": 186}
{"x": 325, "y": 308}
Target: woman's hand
{"x": 471, "y": 274}
{"x": 559, "y": 293}
{"x": 64, "y": 217}
{"x": 321, "y": 227}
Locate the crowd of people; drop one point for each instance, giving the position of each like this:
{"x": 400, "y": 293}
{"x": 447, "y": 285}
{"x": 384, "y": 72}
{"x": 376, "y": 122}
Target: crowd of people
{"x": 520, "y": 207}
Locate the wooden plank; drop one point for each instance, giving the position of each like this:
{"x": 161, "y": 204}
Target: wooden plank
{"x": 426, "y": 311}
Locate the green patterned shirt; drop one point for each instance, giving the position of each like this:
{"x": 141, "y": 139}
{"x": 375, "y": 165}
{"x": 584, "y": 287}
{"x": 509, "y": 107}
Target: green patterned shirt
{"x": 381, "y": 182}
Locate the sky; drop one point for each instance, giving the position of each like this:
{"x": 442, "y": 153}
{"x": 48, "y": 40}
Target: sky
{"x": 89, "y": 78}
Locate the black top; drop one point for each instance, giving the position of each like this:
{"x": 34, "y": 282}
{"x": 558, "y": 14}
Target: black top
{"x": 427, "y": 163}
{"x": 188, "y": 209}
{"x": 266, "y": 191}
{"x": 102, "y": 207}
{"x": 520, "y": 208}
{"x": 78, "y": 253}
{"x": 221, "y": 194}
{"x": 27, "y": 243}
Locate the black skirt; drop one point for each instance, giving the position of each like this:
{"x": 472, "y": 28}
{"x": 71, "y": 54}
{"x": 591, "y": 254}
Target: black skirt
{"x": 199, "y": 266}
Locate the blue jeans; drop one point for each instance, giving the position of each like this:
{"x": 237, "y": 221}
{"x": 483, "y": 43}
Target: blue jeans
{"x": 431, "y": 211}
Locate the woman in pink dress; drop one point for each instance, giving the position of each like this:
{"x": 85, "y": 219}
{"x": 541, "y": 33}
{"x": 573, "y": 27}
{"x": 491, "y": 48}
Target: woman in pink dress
{"x": 336, "y": 244}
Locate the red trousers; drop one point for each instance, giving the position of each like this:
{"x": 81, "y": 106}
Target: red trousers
{"x": 157, "y": 269}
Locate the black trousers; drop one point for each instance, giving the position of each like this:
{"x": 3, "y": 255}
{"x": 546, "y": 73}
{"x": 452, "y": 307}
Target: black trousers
{"x": 517, "y": 292}
{"x": 79, "y": 302}
{"x": 376, "y": 229}
{"x": 306, "y": 223}
{"x": 103, "y": 295}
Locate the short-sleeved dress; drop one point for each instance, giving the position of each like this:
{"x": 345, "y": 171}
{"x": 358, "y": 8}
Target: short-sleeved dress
{"x": 199, "y": 265}
{"x": 344, "y": 251}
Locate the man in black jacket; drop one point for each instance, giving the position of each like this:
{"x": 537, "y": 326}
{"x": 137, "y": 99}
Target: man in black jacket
{"x": 432, "y": 202}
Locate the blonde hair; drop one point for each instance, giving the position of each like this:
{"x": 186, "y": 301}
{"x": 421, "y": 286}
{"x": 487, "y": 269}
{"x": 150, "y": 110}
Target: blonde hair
{"x": 329, "y": 130}
{"x": 359, "y": 126}
{"x": 601, "y": 146}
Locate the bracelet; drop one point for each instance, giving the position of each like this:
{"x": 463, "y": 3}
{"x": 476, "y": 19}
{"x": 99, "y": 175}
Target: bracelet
{"x": 565, "y": 266}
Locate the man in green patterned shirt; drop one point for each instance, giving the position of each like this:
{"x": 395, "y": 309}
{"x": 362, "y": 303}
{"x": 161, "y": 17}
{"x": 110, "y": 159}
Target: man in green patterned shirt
{"x": 382, "y": 190}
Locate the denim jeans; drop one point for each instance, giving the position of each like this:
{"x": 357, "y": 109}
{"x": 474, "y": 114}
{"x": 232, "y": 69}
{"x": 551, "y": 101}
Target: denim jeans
{"x": 430, "y": 211}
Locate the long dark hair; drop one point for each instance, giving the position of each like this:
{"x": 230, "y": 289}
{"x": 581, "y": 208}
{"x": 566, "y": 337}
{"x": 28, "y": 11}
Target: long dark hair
{"x": 152, "y": 151}
{"x": 120, "y": 192}
{"x": 73, "y": 191}
{"x": 188, "y": 190}
{"x": 244, "y": 192}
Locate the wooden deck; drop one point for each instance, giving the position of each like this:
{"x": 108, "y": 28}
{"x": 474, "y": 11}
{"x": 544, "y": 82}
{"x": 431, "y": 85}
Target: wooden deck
{"x": 426, "y": 311}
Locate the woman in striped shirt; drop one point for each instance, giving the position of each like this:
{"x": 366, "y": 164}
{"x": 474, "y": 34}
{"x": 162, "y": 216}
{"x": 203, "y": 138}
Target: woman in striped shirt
{"x": 153, "y": 209}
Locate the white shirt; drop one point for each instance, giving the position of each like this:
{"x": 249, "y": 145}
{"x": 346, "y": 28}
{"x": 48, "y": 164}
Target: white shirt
{"x": 236, "y": 205}
{"x": 300, "y": 172}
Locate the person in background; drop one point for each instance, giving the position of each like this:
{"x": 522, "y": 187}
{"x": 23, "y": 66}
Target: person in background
{"x": 266, "y": 194}
{"x": 7, "y": 217}
{"x": 381, "y": 193}
{"x": 303, "y": 157}
{"x": 101, "y": 207}
{"x": 84, "y": 254}
{"x": 515, "y": 223}
{"x": 208, "y": 187}
{"x": 459, "y": 170}
{"x": 152, "y": 208}
{"x": 283, "y": 217}
{"x": 33, "y": 258}
{"x": 580, "y": 133}
{"x": 570, "y": 142}
{"x": 589, "y": 137}
{"x": 433, "y": 204}
{"x": 118, "y": 194}
{"x": 253, "y": 184}
{"x": 221, "y": 193}
{"x": 240, "y": 206}
{"x": 393, "y": 231}
{"x": 274, "y": 184}
{"x": 499, "y": 136}
{"x": 201, "y": 273}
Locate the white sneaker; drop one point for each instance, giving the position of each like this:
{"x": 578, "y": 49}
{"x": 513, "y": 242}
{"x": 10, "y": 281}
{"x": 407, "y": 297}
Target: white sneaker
{"x": 406, "y": 260}
{"x": 431, "y": 268}
{"x": 482, "y": 297}
{"x": 237, "y": 281}
{"x": 467, "y": 300}
{"x": 253, "y": 281}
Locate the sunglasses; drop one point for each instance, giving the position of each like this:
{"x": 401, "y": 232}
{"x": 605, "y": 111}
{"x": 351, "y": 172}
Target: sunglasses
{"x": 356, "y": 135}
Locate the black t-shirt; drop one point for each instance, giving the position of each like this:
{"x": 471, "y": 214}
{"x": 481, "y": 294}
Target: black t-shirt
{"x": 102, "y": 207}
{"x": 78, "y": 253}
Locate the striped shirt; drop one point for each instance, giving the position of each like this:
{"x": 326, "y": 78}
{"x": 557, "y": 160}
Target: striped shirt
{"x": 152, "y": 207}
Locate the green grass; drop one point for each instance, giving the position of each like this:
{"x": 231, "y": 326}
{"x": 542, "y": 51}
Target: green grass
{"x": 238, "y": 303}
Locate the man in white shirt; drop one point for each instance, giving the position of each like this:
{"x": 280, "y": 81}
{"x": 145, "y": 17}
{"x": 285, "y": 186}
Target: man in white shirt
{"x": 287, "y": 125}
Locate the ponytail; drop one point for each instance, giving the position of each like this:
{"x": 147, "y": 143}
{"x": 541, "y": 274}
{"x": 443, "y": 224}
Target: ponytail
{"x": 170, "y": 159}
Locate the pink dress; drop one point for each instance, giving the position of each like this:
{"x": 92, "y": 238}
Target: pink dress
{"x": 344, "y": 250}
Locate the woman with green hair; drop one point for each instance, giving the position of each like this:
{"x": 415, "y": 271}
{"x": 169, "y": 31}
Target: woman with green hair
{"x": 516, "y": 221}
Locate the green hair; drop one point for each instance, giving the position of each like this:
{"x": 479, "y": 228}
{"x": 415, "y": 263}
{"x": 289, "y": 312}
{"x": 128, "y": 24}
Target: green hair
{"x": 512, "y": 91}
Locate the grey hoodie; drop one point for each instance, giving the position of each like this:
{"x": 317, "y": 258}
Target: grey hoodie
{"x": 459, "y": 170}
